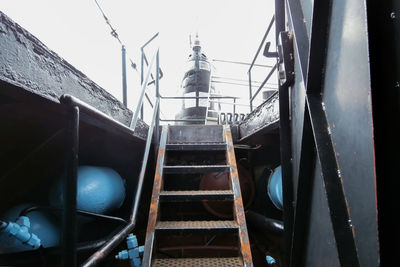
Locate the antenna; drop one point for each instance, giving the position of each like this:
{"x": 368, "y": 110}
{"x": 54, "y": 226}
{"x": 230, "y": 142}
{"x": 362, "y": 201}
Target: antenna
{"x": 190, "y": 40}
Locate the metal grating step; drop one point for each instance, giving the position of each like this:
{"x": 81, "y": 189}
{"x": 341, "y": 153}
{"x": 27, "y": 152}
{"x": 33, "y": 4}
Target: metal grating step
{"x": 196, "y": 169}
{"x": 197, "y": 147}
{"x": 198, "y": 195}
{"x": 196, "y": 225}
{"x": 195, "y": 262}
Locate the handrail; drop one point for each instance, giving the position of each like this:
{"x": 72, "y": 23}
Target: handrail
{"x": 109, "y": 246}
{"x": 251, "y": 96}
{"x": 199, "y": 97}
{"x": 265, "y": 81}
{"x": 140, "y": 100}
{"x": 262, "y": 42}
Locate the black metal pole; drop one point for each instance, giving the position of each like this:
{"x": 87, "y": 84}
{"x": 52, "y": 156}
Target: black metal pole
{"x": 141, "y": 81}
{"x": 124, "y": 84}
{"x": 286, "y": 144}
{"x": 250, "y": 93}
{"x": 157, "y": 122}
{"x": 69, "y": 229}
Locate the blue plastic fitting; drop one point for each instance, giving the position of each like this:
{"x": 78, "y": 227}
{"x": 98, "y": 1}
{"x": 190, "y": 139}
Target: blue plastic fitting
{"x": 133, "y": 253}
{"x": 270, "y": 260}
{"x": 20, "y": 230}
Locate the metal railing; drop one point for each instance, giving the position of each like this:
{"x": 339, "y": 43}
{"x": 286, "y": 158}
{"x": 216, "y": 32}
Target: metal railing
{"x": 266, "y": 53}
{"x": 98, "y": 256}
{"x": 74, "y": 106}
{"x": 143, "y": 62}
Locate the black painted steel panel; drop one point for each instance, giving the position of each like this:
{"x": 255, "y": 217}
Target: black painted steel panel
{"x": 335, "y": 79}
{"x": 347, "y": 98}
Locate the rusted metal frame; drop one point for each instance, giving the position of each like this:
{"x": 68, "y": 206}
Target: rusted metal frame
{"x": 197, "y": 147}
{"x": 178, "y": 196}
{"x": 155, "y": 199}
{"x": 99, "y": 256}
{"x": 196, "y": 168}
{"x": 239, "y": 213}
{"x": 69, "y": 228}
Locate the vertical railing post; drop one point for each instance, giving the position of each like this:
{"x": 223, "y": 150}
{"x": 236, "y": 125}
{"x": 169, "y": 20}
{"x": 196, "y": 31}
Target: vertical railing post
{"x": 234, "y": 106}
{"x": 124, "y": 84}
{"x": 250, "y": 92}
{"x": 69, "y": 190}
{"x": 141, "y": 81}
{"x": 157, "y": 123}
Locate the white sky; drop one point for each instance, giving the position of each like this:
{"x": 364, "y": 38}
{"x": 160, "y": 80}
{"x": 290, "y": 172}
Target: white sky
{"x": 76, "y": 30}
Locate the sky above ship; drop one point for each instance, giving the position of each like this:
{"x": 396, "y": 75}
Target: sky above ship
{"x": 76, "y": 30}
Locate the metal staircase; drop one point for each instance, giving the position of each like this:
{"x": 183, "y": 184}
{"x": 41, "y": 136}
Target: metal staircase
{"x": 176, "y": 140}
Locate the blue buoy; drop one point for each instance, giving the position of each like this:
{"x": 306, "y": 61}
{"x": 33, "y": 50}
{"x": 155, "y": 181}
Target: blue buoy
{"x": 100, "y": 190}
{"x": 275, "y": 188}
{"x": 41, "y": 225}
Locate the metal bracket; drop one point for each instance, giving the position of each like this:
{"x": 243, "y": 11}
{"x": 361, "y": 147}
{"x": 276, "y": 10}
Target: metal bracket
{"x": 286, "y": 59}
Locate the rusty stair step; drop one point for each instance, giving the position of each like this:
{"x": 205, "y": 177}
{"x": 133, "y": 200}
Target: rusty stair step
{"x": 203, "y": 226}
{"x": 196, "y": 195}
{"x": 206, "y": 262}
{"x": 197, "y": 147}
{"x": 196, "y": 168}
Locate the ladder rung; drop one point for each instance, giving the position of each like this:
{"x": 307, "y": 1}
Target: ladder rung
{"x": 196, "y": 225}
{"x": 198, "y": 195}
{"x": 207, "y": 262}
{"x": 194, "y": 147}
{"x": 196, "y": 169}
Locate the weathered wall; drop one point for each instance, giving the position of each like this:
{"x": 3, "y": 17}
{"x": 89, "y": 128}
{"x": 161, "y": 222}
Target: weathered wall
{"x": 28, "y": 63}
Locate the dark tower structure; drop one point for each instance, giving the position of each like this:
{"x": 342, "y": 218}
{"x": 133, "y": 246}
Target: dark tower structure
{"x": 196, "y": 86}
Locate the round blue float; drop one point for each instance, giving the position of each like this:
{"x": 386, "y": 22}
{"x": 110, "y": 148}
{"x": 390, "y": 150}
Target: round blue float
{"x": 275, "y": 188}
{"x": 100, "y": 190}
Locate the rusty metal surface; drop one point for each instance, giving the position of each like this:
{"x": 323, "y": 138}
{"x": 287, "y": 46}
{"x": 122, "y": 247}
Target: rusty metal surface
{"x": 196, "y": 195}
{"x": 195, "y": 134}
{"x": 239, "y": 214}
{"x": 153, "y": 213}
{"x": 196, "y": 169}
{"x": 197, "y": 146}
{"x": 27, "y": 63}
{"x": 196, "y": 225}
{"x": 206, "y": 262}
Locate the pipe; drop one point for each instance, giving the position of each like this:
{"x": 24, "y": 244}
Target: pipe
{"x": 124, "y": 84}
{"x": 270, "y": 226}
{"x": 98, "y": 256}
{"x": 93, "y": 112}
{"x": 31, "y": 256}
{"x": 69, "y": 229}
{"x": 81, "y": 212}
